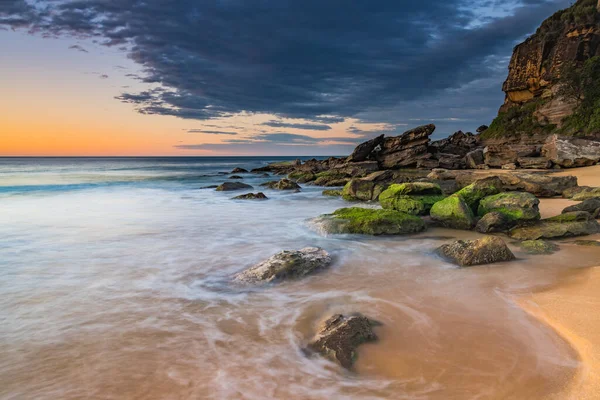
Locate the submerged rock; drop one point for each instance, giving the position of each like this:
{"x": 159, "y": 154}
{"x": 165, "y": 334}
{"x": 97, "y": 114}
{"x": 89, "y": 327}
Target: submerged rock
{"x": 283, "y": 184}
{"x": 235, "y": 177}
{"x": 576, "y": 223}
{"x": 538, "y": 247}
{"x": 453, "y": 212}
{"x": 332, "y": 192}
{"x": 415, "y": 198}
{"x": 516, "y": 206}
{"x": 340, "y": 336}
{"x": 494, "y": 222}
{"x": 487, "y": 250}
{"x": 369, "y": 221}
{"x": 590, "y": 205}
{"x": 239, "y": 171}
{"x": 251, "y": 196}
{"x": 230, "y": 186}
{"x": 286, "y": 265}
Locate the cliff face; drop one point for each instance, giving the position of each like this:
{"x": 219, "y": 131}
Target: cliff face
{"x": 533, "y": 104}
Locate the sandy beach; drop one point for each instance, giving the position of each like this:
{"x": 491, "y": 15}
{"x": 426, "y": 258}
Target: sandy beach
{"x": 571, "y": 306}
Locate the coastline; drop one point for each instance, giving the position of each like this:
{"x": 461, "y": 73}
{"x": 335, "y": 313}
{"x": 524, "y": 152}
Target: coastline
{"x": 568, "y": 306}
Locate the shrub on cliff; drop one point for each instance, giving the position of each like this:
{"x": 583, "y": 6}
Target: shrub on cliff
{"x": 583, "y": 86}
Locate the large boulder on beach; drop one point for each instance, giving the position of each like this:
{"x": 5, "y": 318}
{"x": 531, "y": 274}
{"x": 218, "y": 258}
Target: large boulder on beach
{"x": 286, "y": 265}
{"x": 231, "y": 186}
{"x": 453, "y": 212}
{"x": 473, "y": 193}
{"x": 487, "y": 250}
{"x": 415, "y": 198}
{"x": 571, "y": 152}
{"x": 569, "y": 224}
{"x": 251, "y": 196}
{"x": 369, "y": 221}
{"x": 586, "y": 193}
{"x": 340, "y": 335}
{"x": 494, "y": 222}
{"x": 538, "y": 184}
{"x": 367, "y": 188}
{"x": 365, "y": 150}
{"x": 516, "y": 206}
{"x": 590, "y": 205}
{"x": 283, "y": 184}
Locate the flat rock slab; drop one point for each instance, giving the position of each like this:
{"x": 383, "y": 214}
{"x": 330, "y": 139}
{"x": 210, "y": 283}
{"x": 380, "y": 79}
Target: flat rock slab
{"x": 339, "y": 337}
{"x": 577, "y": 223}
{"x": 466, "y": 253}
{"x": 286, "y": 265}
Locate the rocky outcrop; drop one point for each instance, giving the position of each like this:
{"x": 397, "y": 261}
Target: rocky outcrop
{"x": 405, "y": 150}
{"x": 286, "y": 265}
{"x": 230, "y": 186}
{"x": 251, "y": 196}
{"x": 466, "y": 253}
{"x": 369, "y": 221}
{"x": 571, "y": 152}
{"x": 367, "y": 150}
{"x": 340, "y": 336}
{"x": 565, "y": 225}
{"x": 283, "y": 184}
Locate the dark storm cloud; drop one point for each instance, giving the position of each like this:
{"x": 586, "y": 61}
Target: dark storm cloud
{"x": 321, "y": 60}
{"x": 312, "y": 127}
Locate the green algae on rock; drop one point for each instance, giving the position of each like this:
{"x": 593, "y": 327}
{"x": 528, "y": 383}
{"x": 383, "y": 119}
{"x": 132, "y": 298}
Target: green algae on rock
{"x": 480, "y": 189}
{"x": 516, "y": 206}
{"x": 591, "y": 243}
{"x": 369, "y": 221}
{"x": 415, "y": 198}
{"x": 570, "y": 224}
{"x": 494, "y": 222}
{"x": 251, "y": 196}
{"x": 332, "y": 192}
{"x": 487, "y": 250}
{"x": 283, "y": 184}
{"x": 538, "y": 246}
{"x": 302, "y": 176}
{"x": 453, "y": 212}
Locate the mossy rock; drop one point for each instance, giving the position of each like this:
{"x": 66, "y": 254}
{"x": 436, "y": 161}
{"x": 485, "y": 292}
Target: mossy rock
{"x": 538, "y": 247}
{"x": 473, "y": 193}
{"x": 590, "y": 243}
{"x": 369, "y": 221}
{"x": 413, "y": 189}
{"x": 487, "y": 250}
{"x": 494, "y": 222}
{"x": 415, "y": 205}
{"x": 361, "y": 190}
{"x": 565, "y": 225}
{"x": 453, "y": 212}
{"x": 588, "y": 193}
{"x": 516, "y": 206}
{"x": 302, "y": 176}
{"x": 332, "y": 192}
{"x": 331, "y": 178}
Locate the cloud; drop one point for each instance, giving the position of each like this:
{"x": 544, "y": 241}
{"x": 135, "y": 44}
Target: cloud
{"x": 211, "y": 132}
{"x": 78, "y": 48}
{"x": 312, "y": 127}
{"x": 319, "y": 60}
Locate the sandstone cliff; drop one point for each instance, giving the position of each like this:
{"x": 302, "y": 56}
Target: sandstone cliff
{"x": 534, "y": 103}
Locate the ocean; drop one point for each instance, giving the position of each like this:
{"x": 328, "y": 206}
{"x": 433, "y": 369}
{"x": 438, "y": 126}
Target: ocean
{"x": 115, "y": 283}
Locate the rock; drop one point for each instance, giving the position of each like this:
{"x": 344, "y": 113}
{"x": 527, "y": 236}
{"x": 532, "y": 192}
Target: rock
{"x": 540, "y": 185}
{"x": 209, "y": 187}
{"x": 366, "y": 150}
{"x": 331, "y": 178}
{"x": 412, "y": 198}
{"x": 235, "y": 177}
{"x": 332, "y": 192}
{"x": 302, "y": 176}
{"x": 369, "y": 221}
{"x": 451, "y": 161}
{"x": 251, "y": 196}
{"x": 473, "y": 193}
{"x": 516, "y": 206}
{"x": 565, "y": 225}
{"x": 279, "y": 168}
{"x": 571, "y": 152}
{"x": 405, "y": 150}
{"x": 487, "y": 250}
{"x": 482, "y": 128}
{"x": 474, "y": 158}
{"x": 534, "y": 163}
{"x": 572, "y": 191}
{"x": 458, "y": 144}
{"x": 453, "y": 212}
{"x": 230, "y": 186}
{"x": 590, "y": 205}
{"x": 591, "y": 243}
{"x": 587, "y": 193}
{"x": 355, "y": 169}
{"x": 442, "y": 174}
{"x": 511, "y": 166}
{"x": 538, "y": 247}
{"x": 340, "y": 336}
{"x": 239, "y": 171}
{"x": 428, "y": 163}
{"x": 498, "y": 155}
{"x": 286, "y": 265}
{"x": 494, "y": 222}
{"x": 283, "y": 184}
{"x": 368, "y": 188}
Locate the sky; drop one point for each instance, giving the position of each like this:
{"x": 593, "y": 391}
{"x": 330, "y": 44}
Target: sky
{"x": 249, "y": 77}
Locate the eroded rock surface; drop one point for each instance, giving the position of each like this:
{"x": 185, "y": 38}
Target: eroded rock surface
{"x": 466, "y": 253}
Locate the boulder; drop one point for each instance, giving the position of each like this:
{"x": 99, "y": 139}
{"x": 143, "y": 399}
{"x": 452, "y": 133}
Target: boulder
{"x": 415, "y": 198}
{"x": 239, "y": 171}
{"x": 453, "y": 212}
{"x": 428, "y": 163}
{"x": 587, "y": 193}
{"x": 540, "y": 185}
{"x": 474, "y": 158}
{"x": 590, "y": 205}
{"x": 451, "y": 161}
{"x": 482, "y": 128}
{"x": 572, "y": 191}
{"x": 251, "y": 196}
{"x": 534, "y": 162}
{"x": 230, "y": 186}
{"x": 366, "y": 150}
{"x": 571, "y": 152}
{"x": 442, "y": 174}
{"x": 235, "y": 177}
{"x": 498, "y": 155}
{"x": 283, "y": 184}
{"x": 405, "y": 150}
{"x": 457, "y": 144}
{"x": 286, "y": 265}
{"x": 473, "y": 193}
{"x": 487, "y": 250}
{"x": 332, "y": 192}
{"x": 331, "y": 178}
{"x": 340, "y": 336}
{"x": 538, "y": 247}
{"x": 302, "y": 176}
{"x": 576, "y": 223}
{"x": 494, "y": 222}
{"x": 356, "y": 169}
{"x": 516, "y": 206}
{"x": 369, "y": 221}
{"x": 368, "y": 188}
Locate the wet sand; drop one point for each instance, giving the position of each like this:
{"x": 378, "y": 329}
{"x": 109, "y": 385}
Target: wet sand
{"x": 571, "y": 307}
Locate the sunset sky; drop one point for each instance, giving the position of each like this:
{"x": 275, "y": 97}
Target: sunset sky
{"x": 235, "y": 77}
